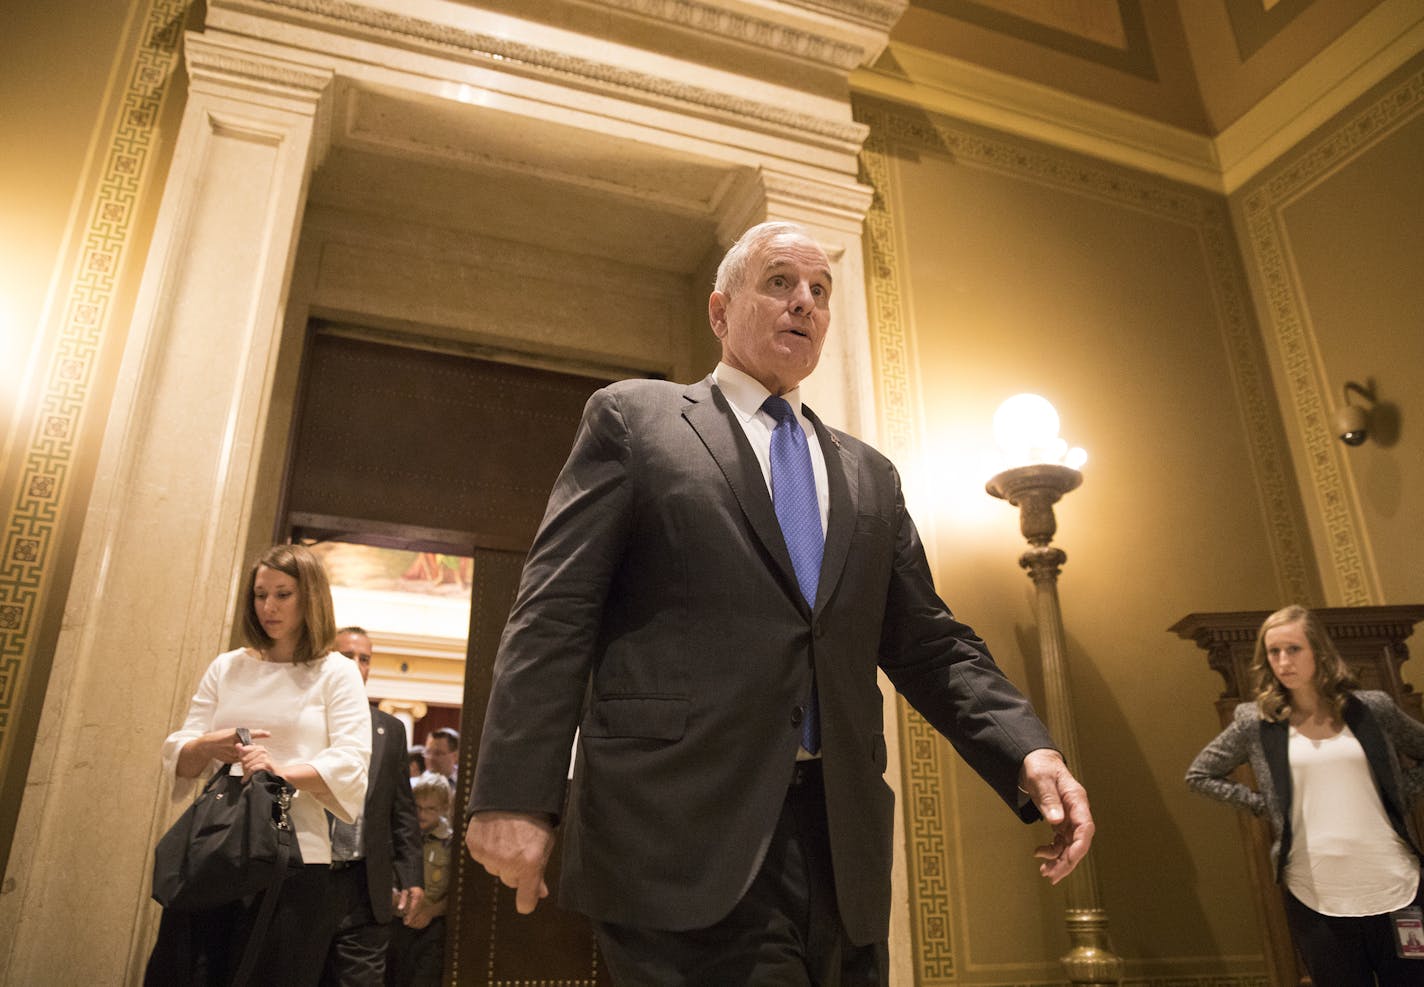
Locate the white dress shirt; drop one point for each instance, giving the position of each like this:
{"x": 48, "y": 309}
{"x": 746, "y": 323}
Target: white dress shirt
{"x": 745, "y": 394}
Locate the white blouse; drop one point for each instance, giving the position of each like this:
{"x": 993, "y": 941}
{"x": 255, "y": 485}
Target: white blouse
{"x": 317, "y": 714}
{"x": 1345, "y": 857}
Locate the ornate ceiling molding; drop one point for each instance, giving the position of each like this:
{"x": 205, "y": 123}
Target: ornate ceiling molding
{"x": 353, "y": 19}
{"x": 782, "y": 38}
{"x": 226, "y": 65}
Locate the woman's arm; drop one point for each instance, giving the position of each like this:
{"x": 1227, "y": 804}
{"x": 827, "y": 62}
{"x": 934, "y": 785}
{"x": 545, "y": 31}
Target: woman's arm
{"x": 1210, "y": 770}
{"x": 219, "y": 745}
{"x": 196, "y": 747}
{"x": 302, "y": 777}
{"x": 1406, "y": 734}
{"x": 338, "y": 773}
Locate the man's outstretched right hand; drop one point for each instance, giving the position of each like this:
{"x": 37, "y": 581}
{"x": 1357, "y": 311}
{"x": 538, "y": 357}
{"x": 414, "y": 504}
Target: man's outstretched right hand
{"x": 514, "y": 847}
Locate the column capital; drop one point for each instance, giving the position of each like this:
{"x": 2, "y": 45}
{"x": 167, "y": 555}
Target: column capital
{"x": 224, "y": 67}
{"x": 766, "y": 194}
{"x": 228, "y": 66}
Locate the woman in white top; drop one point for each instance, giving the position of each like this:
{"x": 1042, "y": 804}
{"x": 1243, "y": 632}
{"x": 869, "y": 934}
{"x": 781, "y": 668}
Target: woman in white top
{"x": 306, "y": 708}
{"x": 1336, "y": 771}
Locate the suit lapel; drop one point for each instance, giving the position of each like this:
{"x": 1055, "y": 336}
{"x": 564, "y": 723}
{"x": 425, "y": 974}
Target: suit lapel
{"x": 378, "y": 744}
{"x": 1367, "y": 731}
{"x": 842, "y": 478}
{"x": 716, "y": 425}
{"x": 1274, "y": 743}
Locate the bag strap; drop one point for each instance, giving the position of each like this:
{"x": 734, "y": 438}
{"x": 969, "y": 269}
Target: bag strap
{"x": 264, "y": 919}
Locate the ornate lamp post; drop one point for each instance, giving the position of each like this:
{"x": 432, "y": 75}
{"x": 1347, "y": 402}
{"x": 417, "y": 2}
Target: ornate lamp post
{"x": 1027, "y": 429}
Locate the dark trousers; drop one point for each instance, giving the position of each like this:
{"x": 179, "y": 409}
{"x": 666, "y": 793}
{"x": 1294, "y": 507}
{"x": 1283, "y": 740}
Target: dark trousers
{"x": 203, "y": 949}
{"x": 785, "y": 932}
{"x": 417, "y": 956}
{"x": 1351, "y": 952}
{"x": 357, "y": 957}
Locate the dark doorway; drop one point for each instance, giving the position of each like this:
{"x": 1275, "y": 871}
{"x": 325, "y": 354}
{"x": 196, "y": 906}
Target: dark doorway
{"x": 430, "y": 452}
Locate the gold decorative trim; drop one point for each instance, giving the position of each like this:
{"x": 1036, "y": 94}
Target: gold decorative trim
{"x": 1173, "y": 980}
{"x": 924, "y": 804}
{"x": 48, "y": 458}
{"x": 891, "y": 127}
{"x": 720, "y": 22}
{"x": 1304, "y": 378}
{"x": 512, "y": 56}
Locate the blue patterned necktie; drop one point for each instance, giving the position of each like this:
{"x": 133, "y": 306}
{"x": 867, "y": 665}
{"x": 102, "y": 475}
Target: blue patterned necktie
{"x": 793, "y": 496}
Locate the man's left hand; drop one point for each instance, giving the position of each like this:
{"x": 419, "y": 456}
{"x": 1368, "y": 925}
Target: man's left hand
{"x": 1064, "y": 804}
{"x": 407, "y": 900}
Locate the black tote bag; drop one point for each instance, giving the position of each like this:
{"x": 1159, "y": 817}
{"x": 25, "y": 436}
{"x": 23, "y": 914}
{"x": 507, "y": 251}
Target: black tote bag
{"x": 235, "y": 840}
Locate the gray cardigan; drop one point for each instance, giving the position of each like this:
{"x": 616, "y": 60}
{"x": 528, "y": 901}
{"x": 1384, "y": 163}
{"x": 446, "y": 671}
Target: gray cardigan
{"x": 1384, "y": 730}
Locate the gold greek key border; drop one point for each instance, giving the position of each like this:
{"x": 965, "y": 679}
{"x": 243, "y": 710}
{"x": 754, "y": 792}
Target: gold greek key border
{"x": 893, "y": 126}
{"x": 1291, "y": 331}
{"x": 48, "y": 459}
{"x": 931, "y": 927}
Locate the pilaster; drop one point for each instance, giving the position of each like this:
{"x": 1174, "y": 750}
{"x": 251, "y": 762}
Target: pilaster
{"x": 165, "y": 533}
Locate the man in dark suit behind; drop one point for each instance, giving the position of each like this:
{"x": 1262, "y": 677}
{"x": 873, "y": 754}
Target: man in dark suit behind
{"x": 728, "y": 822}
{"x": 378, "y": 869}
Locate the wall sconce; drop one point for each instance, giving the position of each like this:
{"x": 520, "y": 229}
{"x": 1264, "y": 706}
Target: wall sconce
{"x": 1352, "y": 422}
{"x": 1041, "y": 470}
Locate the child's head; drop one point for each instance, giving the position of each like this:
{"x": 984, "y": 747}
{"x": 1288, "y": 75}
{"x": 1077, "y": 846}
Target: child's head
{"x": 432, "y": 799}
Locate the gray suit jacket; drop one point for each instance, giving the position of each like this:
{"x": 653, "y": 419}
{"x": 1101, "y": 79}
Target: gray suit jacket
{"x": 659, "y": 612}
{"x": 1383, "y": 730}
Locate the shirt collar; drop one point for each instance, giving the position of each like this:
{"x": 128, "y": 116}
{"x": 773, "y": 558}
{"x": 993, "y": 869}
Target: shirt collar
{"x": 745, "y": 393}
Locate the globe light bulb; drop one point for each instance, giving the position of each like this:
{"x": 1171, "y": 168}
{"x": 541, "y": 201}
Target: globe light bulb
{"x": 1026, "y": 429}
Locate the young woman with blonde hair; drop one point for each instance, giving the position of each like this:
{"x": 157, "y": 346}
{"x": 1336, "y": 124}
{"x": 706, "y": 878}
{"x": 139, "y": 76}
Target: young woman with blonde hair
{"x": 1336, "y": 771}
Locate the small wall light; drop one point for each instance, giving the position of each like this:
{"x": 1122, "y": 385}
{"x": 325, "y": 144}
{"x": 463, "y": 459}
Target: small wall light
{"x": 1350, "y": 421}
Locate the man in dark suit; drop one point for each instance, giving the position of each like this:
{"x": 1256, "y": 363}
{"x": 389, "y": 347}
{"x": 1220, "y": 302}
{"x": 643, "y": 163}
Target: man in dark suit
{"x": 716, "y": 580}
{"x": 378, "y": 872}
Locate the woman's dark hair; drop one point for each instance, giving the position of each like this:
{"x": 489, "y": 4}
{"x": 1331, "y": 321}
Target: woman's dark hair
{"x": 1332, "y": 676}
{"x": 318, "y": 623}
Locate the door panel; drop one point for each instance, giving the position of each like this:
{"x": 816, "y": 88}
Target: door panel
{"x": 489, "y": 942}
{"x": 408, "y": 448}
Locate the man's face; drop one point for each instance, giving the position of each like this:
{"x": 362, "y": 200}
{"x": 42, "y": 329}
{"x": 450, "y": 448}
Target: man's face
{"x": 428, "y": 811}
{"x": 357, "y": 647}
{"x": 773, "y": 325}
{"x": 439, "y": 757}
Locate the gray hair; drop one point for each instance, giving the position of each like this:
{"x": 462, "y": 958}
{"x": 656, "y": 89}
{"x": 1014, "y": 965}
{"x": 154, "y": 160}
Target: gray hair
{"x": 732, "y": 272}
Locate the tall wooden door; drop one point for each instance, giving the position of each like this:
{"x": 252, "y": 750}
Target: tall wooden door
{"x": 489, "y": 941}
{"x": 414, "y": 449}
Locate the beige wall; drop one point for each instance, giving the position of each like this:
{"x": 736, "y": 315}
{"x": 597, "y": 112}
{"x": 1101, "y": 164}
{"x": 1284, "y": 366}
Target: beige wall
{"x": 1004, "y": 266}
{"x": 1021, "y": 268}
{"x": 1145, "y": 311}
{"x": 48, "y": 119}
{"x": 88, "y": 130}
{"x": 1336, "y": 244}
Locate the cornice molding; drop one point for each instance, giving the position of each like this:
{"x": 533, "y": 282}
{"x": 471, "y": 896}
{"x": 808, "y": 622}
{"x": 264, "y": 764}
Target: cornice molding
{"x": 356, "y": 20}
{"x": 222, "y": 65}
{"x": 956, "y": 88}
{"x": 779, "y": 37}
{"x": 1377, "y": 45}
{"x": 1354, "y": 63}
{"x": 878, "y": 14}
